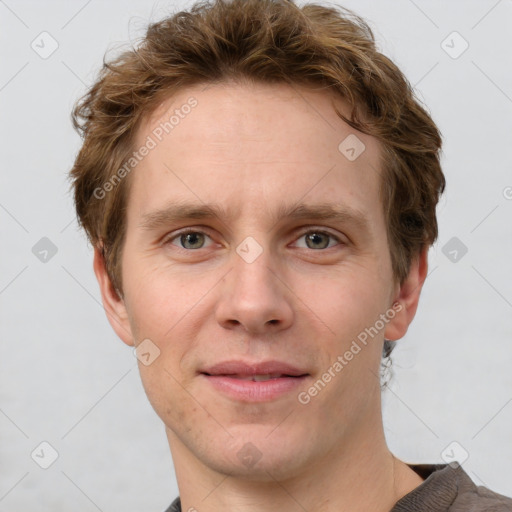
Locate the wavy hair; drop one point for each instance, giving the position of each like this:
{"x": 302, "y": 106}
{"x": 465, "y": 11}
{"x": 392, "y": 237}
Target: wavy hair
{"x": 267, "y": 41}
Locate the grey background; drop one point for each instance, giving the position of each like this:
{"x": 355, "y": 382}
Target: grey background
{"x": 66, "y": 379}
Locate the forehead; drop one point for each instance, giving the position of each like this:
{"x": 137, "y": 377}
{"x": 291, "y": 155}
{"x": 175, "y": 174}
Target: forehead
{"x": 252, "y": 147}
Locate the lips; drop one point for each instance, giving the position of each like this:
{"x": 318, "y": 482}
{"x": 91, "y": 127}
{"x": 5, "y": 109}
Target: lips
{"x": 265, "y": 370}
{"x": 246, "y": 382}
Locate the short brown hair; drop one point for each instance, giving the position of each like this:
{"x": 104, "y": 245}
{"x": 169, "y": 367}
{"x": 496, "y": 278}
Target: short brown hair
{"x": 268, "y": 41}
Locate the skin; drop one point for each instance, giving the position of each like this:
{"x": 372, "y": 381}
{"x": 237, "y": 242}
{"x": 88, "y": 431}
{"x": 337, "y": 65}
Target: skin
{"x": 251, "y": 148}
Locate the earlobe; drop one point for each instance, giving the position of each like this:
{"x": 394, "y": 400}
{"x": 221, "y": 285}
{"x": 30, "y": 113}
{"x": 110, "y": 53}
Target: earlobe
{"x": 408, "y": 297}
{"x": 113, "y": 304}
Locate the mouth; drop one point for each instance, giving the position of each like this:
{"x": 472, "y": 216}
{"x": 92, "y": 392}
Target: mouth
{"x": 256, "y": 378}
{"x": 256, "y": 382}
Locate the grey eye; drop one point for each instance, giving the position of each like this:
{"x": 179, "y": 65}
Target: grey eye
{"x": 317, "y": 240}
{"x": 192, "y": 240}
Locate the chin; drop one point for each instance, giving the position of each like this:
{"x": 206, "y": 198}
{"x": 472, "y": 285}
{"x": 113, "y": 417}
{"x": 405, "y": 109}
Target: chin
{"x": 263, "y": 454}
{"x": 278, "y": 466}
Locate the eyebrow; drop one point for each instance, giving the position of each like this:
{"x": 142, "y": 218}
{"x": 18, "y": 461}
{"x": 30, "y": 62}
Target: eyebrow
{"x": 185, "y": 211}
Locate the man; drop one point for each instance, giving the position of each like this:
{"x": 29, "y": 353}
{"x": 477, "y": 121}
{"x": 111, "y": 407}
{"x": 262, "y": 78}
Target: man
{"x": 259, "y": 185}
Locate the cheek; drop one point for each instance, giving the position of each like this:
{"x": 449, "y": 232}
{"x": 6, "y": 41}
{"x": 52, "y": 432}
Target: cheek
{"x": 347, "y": 301}
{"x": 158, "y": 296}
{"x": 168, "y": 307}
{"x": 162, "y": 306}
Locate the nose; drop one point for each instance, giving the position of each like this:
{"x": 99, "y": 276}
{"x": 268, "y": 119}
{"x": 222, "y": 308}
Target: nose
{"x": 255, "y": 297}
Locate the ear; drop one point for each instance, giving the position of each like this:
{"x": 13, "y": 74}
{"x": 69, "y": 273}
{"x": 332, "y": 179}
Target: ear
{"x": 113, "y": 304}
{"x": 407, "y": 297}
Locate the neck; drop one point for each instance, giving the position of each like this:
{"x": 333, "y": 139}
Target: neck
{"x": 360, "y": 474}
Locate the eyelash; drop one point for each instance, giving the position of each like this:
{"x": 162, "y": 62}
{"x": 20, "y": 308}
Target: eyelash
{"x": 175, "y": 236}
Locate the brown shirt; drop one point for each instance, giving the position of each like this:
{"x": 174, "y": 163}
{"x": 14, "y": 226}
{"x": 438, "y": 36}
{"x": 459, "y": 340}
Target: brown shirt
{"x": 449, "y": 489}
{"x": 444, "y": 489}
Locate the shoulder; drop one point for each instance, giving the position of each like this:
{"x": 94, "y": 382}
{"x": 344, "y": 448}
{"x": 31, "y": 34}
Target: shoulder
{"x": 477, "y": 498}
{"x": 448, "y": 488}
{"x": 480, "y": 498}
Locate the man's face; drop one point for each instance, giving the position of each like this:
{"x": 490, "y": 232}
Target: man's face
{"x": 256, "y": 284}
